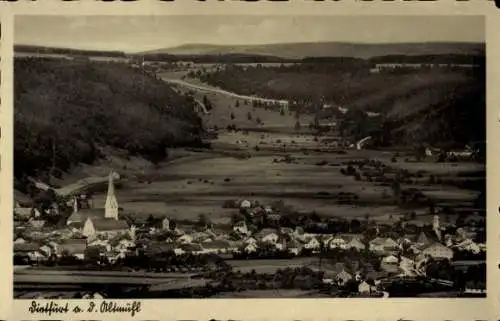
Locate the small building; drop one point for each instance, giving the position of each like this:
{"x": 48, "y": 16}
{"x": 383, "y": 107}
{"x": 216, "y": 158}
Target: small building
{"x": 186, "y": 239}
{"x": 245, "y": 204}
{"x": 367, "y": 287}
{"x": 105, "y": 227}
{"x": 391, "y": 259}
{"x": 29, "y": 250}
{"x": 383, "y": 245}
{"x": 165, "y": 224}
{"x": 438, "y": 251}
{"x": 343, "y": 277}
{"x": 336, "y": 242}
{"x": 250, "y": 248}
{"x": 356, "y": 244}
{"x": 294, "y": 247}
{"x": 73, "y": 247}
{"x": 241, "y": 227}
{"x": 269, "y": 237}
{"x": 312, "y": 243}
{"x": 216, "y": 246}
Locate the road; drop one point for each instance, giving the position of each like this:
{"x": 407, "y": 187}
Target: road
{"x": 207, "y": 88}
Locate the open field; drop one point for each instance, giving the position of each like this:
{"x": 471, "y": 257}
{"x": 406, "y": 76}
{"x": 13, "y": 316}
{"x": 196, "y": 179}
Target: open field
{"x": 270, "y": 266}
{"x": 123, "y": 274}
{"x": 278, "y": 293}
{"x": 200, "y": 184}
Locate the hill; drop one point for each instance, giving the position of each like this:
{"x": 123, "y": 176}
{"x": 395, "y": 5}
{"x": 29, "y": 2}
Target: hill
{"x": 326, "y": 49}
{"x": 434, "y": 105}
{"x": 66, "y": 51}
{"x": 78, "y": 108}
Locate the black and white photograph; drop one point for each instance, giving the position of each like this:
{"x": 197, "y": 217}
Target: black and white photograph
{"x": 249, "y": 156}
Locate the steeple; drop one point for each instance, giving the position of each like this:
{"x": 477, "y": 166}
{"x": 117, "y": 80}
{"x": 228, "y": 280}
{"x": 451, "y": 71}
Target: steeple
{"x": 111, "y": 207}
{"x": 75, "y": 204}
{"x": 436, "y": 227}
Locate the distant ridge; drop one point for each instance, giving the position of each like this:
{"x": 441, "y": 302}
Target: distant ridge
{"x": 327, "y": 49}
{"x": 66, "y": 51}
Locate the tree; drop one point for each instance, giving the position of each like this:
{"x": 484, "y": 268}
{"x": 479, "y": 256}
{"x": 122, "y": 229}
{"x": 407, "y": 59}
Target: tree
{"x": 297, "y": 125}
{"x": 396, "y": 190}
{"x": 420, "y": 153}
{"x": 202, "y": 220}
{"x": 316, "y": 121}
{"x": 150, "y": 220}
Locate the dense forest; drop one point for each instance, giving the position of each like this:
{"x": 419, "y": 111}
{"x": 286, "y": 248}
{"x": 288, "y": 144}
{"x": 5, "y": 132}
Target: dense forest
{"x": 75, "y": 107}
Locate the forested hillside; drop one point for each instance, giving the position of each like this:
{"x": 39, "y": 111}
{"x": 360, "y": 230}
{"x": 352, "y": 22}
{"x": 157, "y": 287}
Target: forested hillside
{"x": 75, "y": 107}
{"x": 435, "y": 105}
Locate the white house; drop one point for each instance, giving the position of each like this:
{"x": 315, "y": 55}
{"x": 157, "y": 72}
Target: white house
{"x": 106, "y": 227}
{"x": 245, "y": 204}
{"x": 165, "y": 224}
{"x": 336, "y": 242}
{"x": 19, "y": 240}
{"x": 469, "y": 245}
{"x": 46, "y": 250}
{"x": 74, "y": 247}
{"x": 271, "y": 237}
{"x": 366, "y": 288}
{"x": 356, "y": 244}
{"x": 101, "y": 243}
{"x": 438, "y": 251}
{"x": 294, "y": 247}
{"x": 312, "y": 243}
{"x": 343, "y": 277}
{"x": 186, "y": 238}
{"x": 391, "y": 259}
{"x": 383, "y": 245}
{"x": 241, "y": 227}
{"x": 250, "y": 248}
{"x": 250, "y": 240}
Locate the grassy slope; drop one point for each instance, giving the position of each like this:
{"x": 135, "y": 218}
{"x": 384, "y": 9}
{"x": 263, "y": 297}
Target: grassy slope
{"x": 330, "y": 49}
{"x": 84, "y": 105}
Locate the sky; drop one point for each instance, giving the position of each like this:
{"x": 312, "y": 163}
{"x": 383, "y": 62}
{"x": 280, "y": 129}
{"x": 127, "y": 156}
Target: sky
{"x": 142, "y": 33}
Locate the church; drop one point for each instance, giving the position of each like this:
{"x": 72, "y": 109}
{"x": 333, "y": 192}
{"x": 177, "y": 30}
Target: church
{"x": 100, "y": 221}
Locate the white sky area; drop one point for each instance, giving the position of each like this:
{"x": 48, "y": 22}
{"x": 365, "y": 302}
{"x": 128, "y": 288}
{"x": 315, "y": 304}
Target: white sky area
{"x": 141, "y": 33}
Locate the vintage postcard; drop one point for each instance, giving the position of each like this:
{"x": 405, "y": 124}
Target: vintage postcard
{"x": 244, "y": 156}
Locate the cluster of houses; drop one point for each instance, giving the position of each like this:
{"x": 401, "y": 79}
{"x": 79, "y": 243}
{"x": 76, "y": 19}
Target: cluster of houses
{"x": 103, "y": 231}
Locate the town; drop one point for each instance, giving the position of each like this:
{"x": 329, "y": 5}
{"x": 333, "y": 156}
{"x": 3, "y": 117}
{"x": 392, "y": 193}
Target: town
{"x": 287, "y": 169}
{"x": 269, "y": 243}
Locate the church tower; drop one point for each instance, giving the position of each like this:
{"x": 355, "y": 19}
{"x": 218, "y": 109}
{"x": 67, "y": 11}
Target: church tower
{"x": 111, "y": 207}
{"x": 75, "y": 204}
{"x": 436, "y": 227}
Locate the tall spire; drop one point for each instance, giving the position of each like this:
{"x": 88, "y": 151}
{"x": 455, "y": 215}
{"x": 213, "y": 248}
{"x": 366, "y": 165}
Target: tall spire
{"x": 111, "y": 207}
{"x": 436, "y": 227}
{"x": 75, "y": 204}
